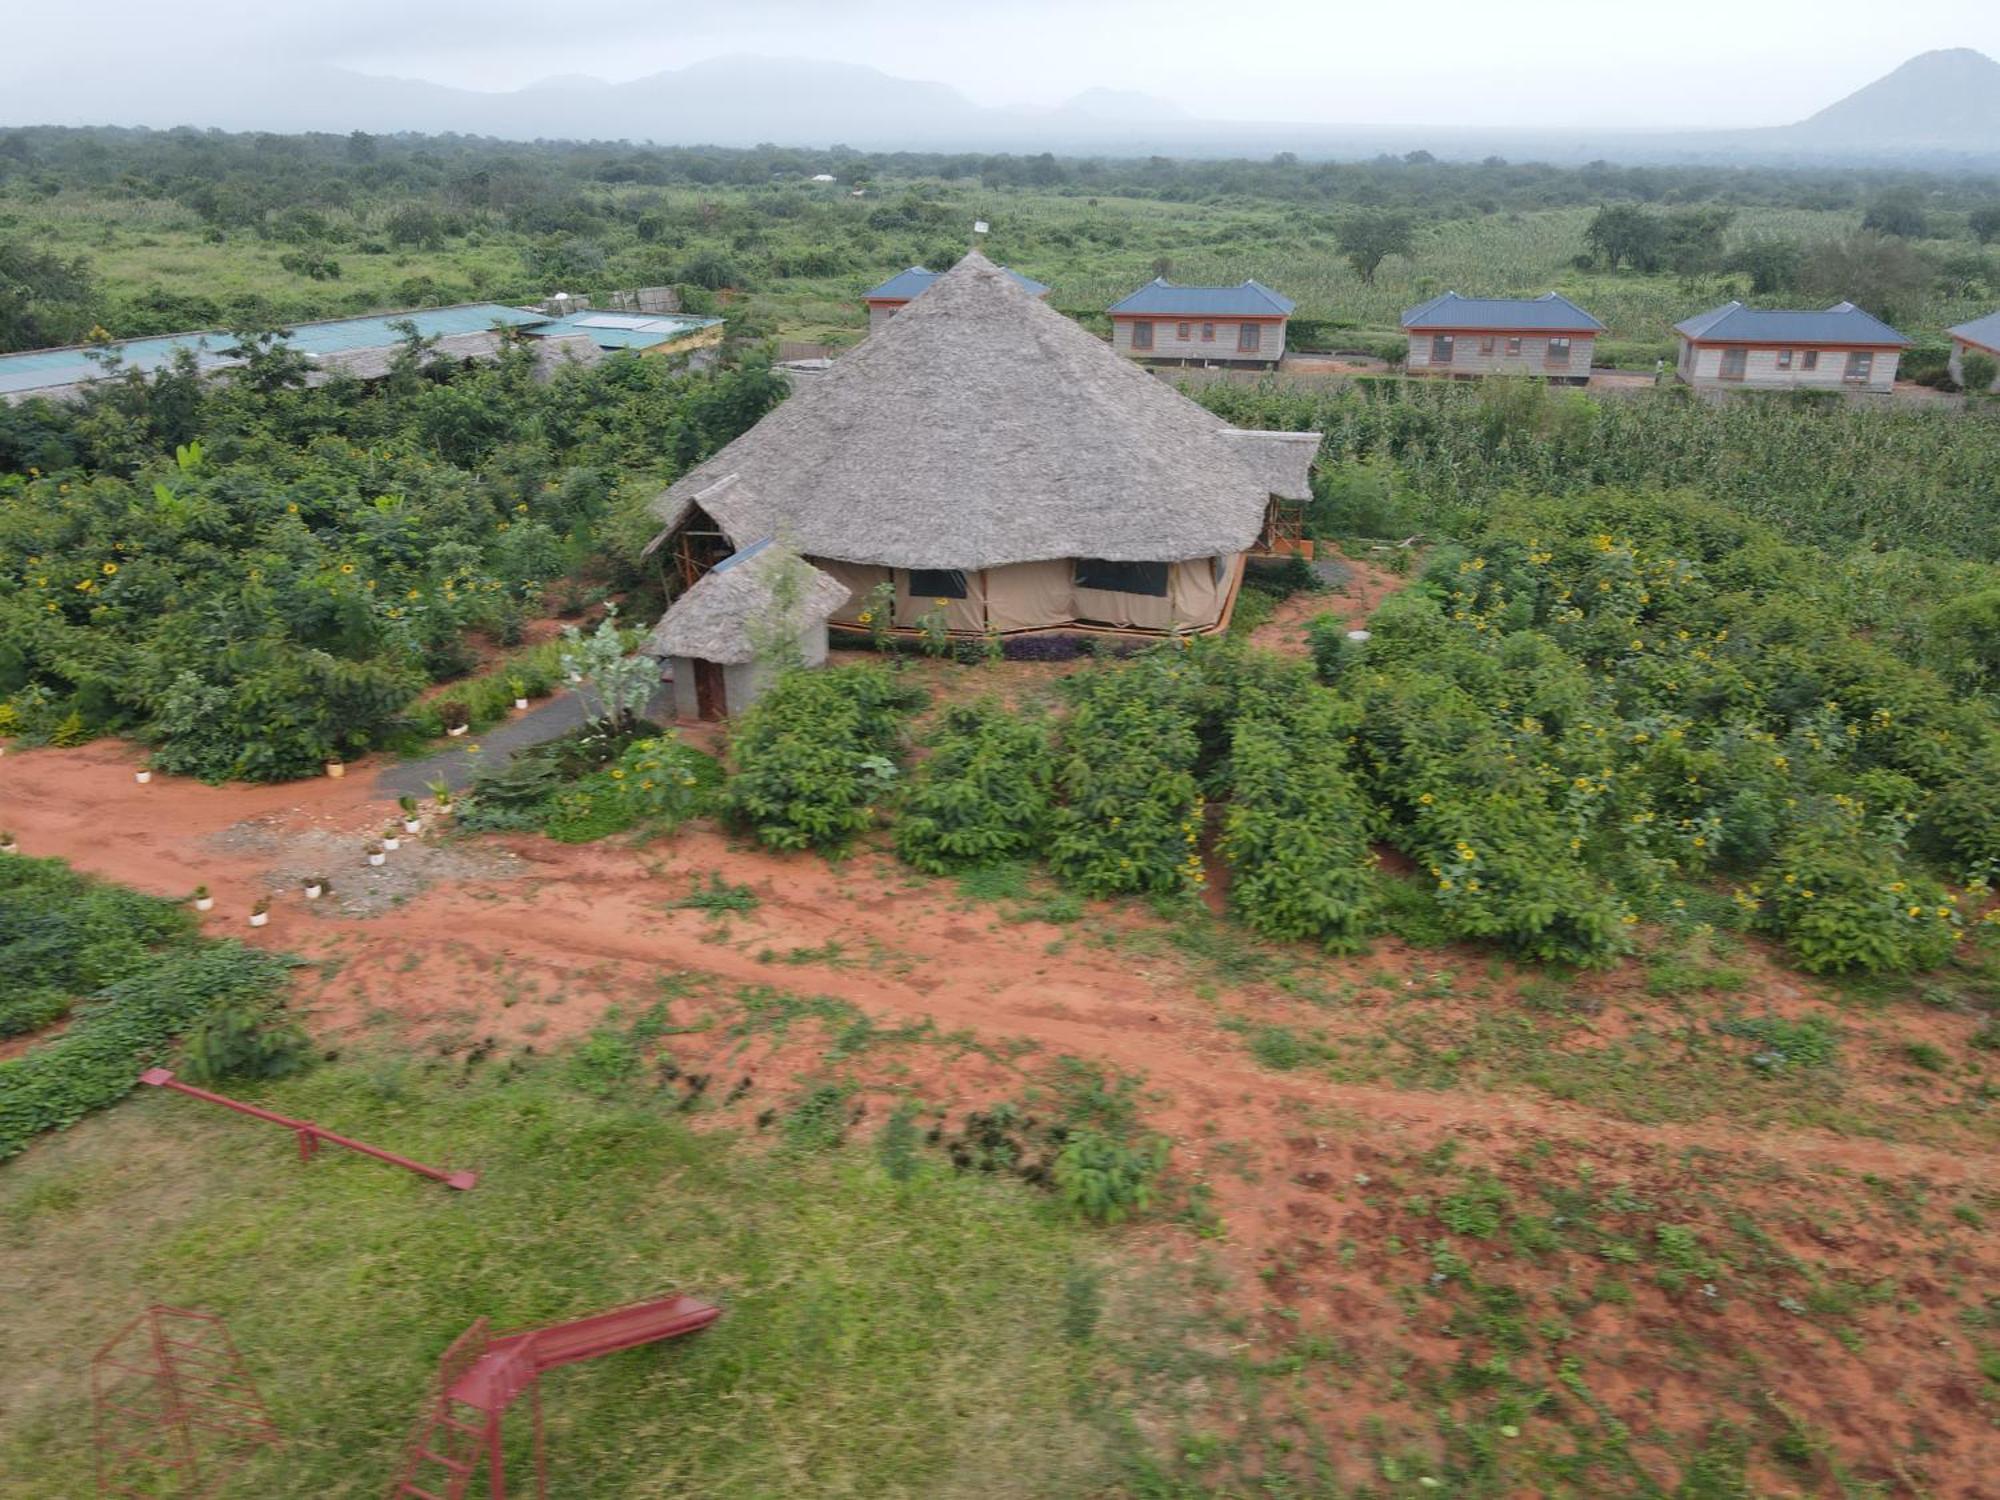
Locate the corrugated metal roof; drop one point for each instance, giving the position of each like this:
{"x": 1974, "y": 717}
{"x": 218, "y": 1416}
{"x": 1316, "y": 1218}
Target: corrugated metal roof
{"x": 1551, "y": 312}
{"x": 907, "y": 284}
{"x": 1984, "y": 332}
{"x": 1842, "y": 323}
{"x": 1161, "y": 297}
{"x": 43, "y": 369}
{"x": 609, "y": 330}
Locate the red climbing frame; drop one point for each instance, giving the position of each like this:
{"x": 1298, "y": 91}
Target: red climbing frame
{"x": 482, "y": 1374}
{"x": 173, "y": 1411}
{"x": 310, "y": 1135}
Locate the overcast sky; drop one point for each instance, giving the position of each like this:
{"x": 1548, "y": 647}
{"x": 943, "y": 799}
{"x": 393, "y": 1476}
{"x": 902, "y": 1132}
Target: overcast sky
{"x": 1705, "y": 63}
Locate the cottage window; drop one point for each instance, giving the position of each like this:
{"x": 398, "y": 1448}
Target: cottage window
{"x": 1249, "y": 338}
{"x": 1208, "y": 333}
{"x": 1184, "y": 332}
{"x": 1122, "y": 577}
{"x": 1142, "y": 335}
{"x": 1441, "y": 349}
{"x": 1513, "y": 346}
{"x": 1486, "y": 346}
{"x": 1811, "y": 361}
{"x": 937, "y": 583}
{"x": 1784, "y": 359}
{"x": 1860, "y": 365}
{"x": 1558, "y": 353}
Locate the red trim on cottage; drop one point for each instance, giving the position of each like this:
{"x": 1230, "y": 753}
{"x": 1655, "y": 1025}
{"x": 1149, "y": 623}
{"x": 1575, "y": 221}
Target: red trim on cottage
{"x": 1965, "y": 343}
{"x": 1783, "y": 344}
{"x": 1416, "y": 331}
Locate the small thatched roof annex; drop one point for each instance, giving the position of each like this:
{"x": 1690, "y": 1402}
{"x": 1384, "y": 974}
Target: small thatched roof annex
{"x": 981, "y": 427}
{"x": 719, "y": 618}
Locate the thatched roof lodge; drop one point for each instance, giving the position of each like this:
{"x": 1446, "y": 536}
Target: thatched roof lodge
{"x": 984, "y": 450}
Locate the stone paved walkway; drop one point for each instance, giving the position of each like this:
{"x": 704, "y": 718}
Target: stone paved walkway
{"x": 500, "y": 743}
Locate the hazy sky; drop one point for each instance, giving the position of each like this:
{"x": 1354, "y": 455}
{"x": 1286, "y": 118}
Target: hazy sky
{"x": 1446, "y": 62}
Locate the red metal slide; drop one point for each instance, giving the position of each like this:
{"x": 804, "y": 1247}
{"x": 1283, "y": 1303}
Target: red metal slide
{"x": 482, "y": 1374}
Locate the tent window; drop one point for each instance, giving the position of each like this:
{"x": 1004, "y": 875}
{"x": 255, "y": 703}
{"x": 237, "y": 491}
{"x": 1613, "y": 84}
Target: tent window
{"x": 937, "y": 583}
{"x": 1122, "y": 577}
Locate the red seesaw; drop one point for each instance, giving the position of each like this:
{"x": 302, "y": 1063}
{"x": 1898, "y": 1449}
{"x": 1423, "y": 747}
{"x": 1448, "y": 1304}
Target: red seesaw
{"x": 309, "y": 1134}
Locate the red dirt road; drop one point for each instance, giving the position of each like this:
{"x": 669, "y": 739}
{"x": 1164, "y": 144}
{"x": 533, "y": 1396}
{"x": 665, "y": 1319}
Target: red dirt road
{"x": 545, "y": 953}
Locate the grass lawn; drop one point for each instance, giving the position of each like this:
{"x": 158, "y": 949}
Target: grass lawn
{"x": 930, "y": 1337}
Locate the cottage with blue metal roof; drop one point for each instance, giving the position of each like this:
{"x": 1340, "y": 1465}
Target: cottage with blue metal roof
{"x": 1547, "y": 336}
{"x": 893, "y": 295}
{"x": 1980, "y": 336}
{"x": 1836, "y": 348}
{"x": 1237, "y": 325}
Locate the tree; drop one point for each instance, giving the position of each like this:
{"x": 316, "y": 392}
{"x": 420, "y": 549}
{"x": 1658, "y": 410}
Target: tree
{"x": 1625, "y": 234}
{"x": 613, "y": 688}
{"x": 1900, "y": 213}
{"x": 1984, "y": 222}
{"x": 44, "y": 299}
{"x": 1871, "y": 270}
{"x": 1772, "y": 262}
{"x": 1371, "y": 236}
{"x": 266, "y": 360}
{"x": 1691, "y": 239}
{"x": 1978, "y": 372}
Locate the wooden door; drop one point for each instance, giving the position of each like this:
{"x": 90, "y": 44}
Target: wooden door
{"x": 710, "y": 698}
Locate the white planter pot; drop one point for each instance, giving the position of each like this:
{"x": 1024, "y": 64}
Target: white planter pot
{"x": 378, "y": 859}
{"x": 10, "y": 848}
{"x": 142, "y": 777}
{"x": 336, "y": 769}
{"x": 520, "y": 703}
{"x": 259, "y": 918}
{"x": 204, "y": 903}
{"x": 458, "y": 730}
{"x": 314, "y": 892}
{"x": 413, "y": 825}
{"x": 392, "y": 844}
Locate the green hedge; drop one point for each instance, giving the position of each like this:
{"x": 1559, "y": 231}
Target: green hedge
{"x": 127, "y": 1024}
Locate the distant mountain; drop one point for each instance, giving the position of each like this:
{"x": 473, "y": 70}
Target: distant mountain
{"x": 1939, "y": 110}
{"x": 1121, "y": 104}
{"x": 1949, "y": 100}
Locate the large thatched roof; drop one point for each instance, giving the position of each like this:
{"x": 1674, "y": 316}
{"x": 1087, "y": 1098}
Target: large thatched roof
{"x": 717, "y": 619}
{"x": 980, "y": 428}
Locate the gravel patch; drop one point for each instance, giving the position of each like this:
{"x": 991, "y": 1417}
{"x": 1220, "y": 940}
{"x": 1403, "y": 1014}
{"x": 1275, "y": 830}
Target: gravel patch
{"x": 355, "y": 887}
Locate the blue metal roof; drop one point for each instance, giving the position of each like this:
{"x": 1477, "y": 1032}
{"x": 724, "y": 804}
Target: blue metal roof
{"x": 614, "y": 330}
{"x": 905, "y": 285}
{"x": 1841, "y": 324}
{"x": 43, "y": 369}
{"x": 738, "y": 558}
{"x": 1985, "y": 332}
{"x": 1551, "y": 312}
{"x": 1161, "y": 297}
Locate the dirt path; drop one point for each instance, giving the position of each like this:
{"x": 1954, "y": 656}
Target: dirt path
{"x": 541, "y": 944}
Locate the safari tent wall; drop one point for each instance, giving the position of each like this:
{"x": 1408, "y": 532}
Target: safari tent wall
{"x": 1045, "y": 596}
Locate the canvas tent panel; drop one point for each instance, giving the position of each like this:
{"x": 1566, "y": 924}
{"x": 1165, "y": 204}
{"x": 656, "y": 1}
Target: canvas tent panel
{"x": 968, "y": 613}
{"x": 1197, "y": 592}
{"x": 1030, "y": 596}
{"x": 1141, "y": 611}
{"x": 859, "y": 578}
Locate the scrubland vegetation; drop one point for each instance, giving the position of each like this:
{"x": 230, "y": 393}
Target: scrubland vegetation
{"x": 1637, "y": 866}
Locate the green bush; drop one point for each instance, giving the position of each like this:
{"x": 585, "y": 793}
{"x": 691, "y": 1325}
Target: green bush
{"x": 1131, "y": 815}
{"x": 1107, "y": 1179}
{"x": 1844, "y": 901}
{"x": 62, "y": 935}
{"x": 981, "y": 797}
{"x": 1297, "y": 830}
{"x": 813, "y": 757}
{"x": 121, "y": 1030}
